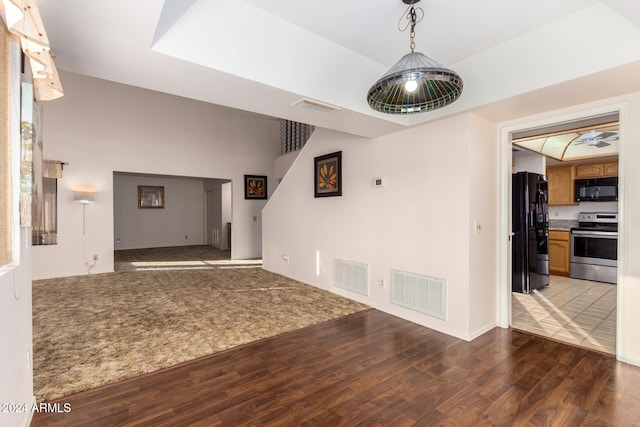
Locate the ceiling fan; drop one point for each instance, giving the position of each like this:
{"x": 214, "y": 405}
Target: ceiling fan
{"x": 597, "y": 139}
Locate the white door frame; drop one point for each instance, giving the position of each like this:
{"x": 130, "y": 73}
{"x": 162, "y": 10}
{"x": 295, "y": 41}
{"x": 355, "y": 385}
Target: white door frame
{"x": 506, "y": 158}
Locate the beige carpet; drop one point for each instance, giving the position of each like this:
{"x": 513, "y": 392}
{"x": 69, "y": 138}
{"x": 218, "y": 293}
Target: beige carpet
{"x": 163, "y": 307}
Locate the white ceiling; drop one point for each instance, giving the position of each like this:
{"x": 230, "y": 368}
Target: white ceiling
{"x": 515, "y": 57}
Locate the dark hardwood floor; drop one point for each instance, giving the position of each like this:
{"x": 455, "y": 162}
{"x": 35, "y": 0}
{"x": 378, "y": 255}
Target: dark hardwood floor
{"x": 373, "y": 369}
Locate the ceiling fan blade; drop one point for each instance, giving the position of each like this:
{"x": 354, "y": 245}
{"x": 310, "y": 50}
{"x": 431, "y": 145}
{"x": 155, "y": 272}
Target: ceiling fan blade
{"x": 607, "y": 135}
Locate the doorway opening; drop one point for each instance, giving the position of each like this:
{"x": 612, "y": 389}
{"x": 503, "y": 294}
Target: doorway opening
{"x": 574, "y": 310}
{"x": 218, "y": 213}
{"x": 194, "y": 211}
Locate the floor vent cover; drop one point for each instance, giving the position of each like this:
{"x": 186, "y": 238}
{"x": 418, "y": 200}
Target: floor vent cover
{"x": 352, "y": 276}
{"x": 425, "y": 294}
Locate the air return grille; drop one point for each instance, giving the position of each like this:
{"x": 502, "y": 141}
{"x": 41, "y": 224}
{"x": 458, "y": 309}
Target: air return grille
{"x": 352, "y": 276}
{"x": 425, "y": 294}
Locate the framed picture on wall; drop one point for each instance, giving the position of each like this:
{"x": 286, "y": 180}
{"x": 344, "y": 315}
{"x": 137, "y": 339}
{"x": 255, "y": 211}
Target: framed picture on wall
{"x": 150, "y": 197}
{"x": 328, "y": 175}
{"x": 255, "y": 187}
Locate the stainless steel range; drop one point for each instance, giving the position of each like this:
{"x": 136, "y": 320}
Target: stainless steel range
{"x": 594, "y": 247}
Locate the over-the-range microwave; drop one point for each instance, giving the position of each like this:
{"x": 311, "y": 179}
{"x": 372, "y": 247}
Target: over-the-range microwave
{"x": 597, "y": 190}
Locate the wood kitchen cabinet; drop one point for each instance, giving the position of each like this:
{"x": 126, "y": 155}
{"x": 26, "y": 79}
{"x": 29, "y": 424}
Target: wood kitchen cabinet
{"x": 589, "y": 170}
{"x": 610, "y": 169}
{"x": 596, "y": 170}
{"x": 559, "y": 252}
{"x": 560, "y": 179}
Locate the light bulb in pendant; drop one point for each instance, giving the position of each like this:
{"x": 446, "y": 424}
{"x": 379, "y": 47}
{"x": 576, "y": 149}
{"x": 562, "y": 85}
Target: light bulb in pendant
{"x": 411, "y": 86}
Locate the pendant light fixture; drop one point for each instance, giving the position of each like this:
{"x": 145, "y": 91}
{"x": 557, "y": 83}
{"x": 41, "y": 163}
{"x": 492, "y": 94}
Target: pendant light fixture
{"x": 416, "y": 83}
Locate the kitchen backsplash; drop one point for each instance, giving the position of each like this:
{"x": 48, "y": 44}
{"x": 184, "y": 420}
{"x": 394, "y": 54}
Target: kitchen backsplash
{"x": 571, "y": 212}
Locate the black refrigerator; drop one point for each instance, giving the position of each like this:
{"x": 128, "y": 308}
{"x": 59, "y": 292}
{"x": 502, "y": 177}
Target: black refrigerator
{"x": 530, "y": 232}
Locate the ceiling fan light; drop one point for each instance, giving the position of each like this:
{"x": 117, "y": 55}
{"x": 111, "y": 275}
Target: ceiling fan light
{"x": 436, "y": 86}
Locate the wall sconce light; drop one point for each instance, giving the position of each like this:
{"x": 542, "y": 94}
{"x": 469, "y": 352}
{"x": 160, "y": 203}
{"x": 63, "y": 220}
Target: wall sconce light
{"x": 84, "y": 196}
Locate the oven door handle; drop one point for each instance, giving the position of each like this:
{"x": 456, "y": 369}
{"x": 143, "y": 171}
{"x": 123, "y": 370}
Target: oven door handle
{"x": 595, "y": 233}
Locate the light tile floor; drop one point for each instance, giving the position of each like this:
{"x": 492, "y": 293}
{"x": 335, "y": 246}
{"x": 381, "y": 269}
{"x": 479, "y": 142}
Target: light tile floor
{"x": 578, "y": 312}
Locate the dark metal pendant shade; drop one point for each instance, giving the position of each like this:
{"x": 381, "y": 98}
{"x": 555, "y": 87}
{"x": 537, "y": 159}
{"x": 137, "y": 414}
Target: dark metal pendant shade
{"x": 437, "y": 86}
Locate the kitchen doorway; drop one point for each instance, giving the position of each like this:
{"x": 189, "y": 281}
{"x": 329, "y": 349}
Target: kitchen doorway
{"x": 580, "y": 312}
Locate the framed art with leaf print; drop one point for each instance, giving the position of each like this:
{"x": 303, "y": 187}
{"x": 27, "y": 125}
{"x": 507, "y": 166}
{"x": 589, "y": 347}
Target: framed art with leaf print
{"x": 255, "y": 187}
{"x": 328, "y": 175}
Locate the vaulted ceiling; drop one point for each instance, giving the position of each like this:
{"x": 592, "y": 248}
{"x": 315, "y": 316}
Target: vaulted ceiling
{"x": 515, "y": 58}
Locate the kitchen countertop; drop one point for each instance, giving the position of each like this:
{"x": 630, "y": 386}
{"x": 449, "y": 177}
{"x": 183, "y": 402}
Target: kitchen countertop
{"x": 562, "y": 224}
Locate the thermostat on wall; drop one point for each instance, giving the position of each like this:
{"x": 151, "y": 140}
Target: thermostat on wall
{"x": 379, "y": 182}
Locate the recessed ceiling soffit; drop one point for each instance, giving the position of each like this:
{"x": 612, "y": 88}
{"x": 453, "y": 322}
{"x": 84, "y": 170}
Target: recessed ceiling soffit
{"x": 581, "y": 143}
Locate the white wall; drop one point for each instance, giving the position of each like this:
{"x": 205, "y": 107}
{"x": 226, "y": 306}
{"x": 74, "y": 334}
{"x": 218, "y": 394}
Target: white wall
{"x": 16, "y": 357}
{"x": 180, "y": 223}
{"x": 420, "y": 222}
{"x": 483, "y": 165}
{"x": 99, "y": 127}
{"x": 284, "y": 162}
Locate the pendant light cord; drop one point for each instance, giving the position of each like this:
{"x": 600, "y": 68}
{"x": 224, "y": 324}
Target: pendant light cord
{"x": 411, "y": 15}
{"x": 412, "y": 34}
